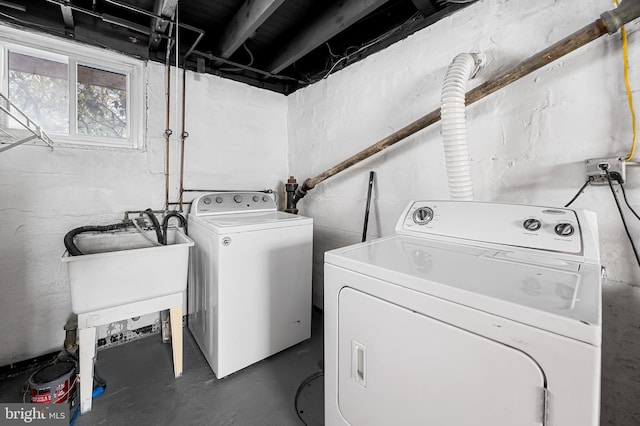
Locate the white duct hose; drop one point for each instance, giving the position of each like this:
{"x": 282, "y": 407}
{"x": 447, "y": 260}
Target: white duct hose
{"x": 454, "y": 131}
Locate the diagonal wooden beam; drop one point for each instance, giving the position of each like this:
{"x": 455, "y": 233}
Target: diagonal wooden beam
{"x": 244, "y": 23}
{"x": 166, "y": 9}
{"x": 336, "y": 19}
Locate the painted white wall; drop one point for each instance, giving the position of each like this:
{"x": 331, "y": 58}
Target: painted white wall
{"x": 238, "y": 139}
{"x": 528, "y": 143}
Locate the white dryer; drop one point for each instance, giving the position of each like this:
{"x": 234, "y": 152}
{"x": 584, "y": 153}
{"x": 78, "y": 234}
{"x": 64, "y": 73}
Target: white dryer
{"x": 471, "y": 314}
{"x": 249, "y": 290}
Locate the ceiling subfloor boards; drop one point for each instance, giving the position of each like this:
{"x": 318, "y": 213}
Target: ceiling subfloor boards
{"x": 280, "y": 45}
{"x": 329, "y": 24}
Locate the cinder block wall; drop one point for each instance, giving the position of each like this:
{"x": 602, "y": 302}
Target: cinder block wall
{"x": 238, "y": 139}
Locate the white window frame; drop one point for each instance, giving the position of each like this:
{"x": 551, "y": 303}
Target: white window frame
{"x": 50, "y": 47}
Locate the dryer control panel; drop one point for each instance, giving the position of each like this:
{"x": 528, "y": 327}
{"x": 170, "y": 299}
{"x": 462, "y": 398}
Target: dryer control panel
{"x": 543, "y": 228}
{"x": 233, "y": 202}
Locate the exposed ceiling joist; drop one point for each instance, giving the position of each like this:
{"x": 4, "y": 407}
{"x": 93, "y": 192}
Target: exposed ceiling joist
{"x": 330, "y": 23}
{"x": 12, "y": 5}
{"x": 166, "y": 9}
{"x": 277, "y": 33}
{"x": 244, "y": 23}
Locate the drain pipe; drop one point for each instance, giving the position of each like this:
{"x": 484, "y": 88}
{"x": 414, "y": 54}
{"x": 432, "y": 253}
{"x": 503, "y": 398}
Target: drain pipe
{"x": 454, "y": 129}
{"x": 609, "y": 22}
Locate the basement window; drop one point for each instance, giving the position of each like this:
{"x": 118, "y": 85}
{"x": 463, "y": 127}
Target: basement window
{"x": 102, "y": 102}
{"x": 78, "y": 94}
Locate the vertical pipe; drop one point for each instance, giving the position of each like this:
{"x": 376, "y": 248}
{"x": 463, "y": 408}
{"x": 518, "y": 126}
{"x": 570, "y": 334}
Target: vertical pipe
{"x": 183, "y": 134}
{"x": 167, "y": 130}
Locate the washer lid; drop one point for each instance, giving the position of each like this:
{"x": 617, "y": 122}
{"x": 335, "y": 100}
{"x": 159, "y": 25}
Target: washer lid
{"x": 243, "y": 222}
{"x": 562, "y": 297}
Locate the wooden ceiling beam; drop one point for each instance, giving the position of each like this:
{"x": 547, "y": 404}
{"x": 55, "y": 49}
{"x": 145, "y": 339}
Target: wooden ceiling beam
{"x": 244, "y": 23}
{"x": 333, "y": 21}
{"x": 166, "y": 9}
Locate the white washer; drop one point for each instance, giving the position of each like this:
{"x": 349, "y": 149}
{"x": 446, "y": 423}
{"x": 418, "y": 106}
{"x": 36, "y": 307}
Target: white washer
{"x": 249, "y": 291}
{"x": 471, "y": 314}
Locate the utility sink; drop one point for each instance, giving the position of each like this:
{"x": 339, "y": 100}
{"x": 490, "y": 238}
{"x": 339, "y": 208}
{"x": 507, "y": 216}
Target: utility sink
{"x": 123, "y": 267}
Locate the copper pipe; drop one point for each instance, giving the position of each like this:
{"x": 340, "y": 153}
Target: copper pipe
{"x": 167, "y": 130}
{"x": 568, "y": 44}
{"x": 266, "y": 191}
{"x": 183, "y": 135}
{"x": 128, "y": 212}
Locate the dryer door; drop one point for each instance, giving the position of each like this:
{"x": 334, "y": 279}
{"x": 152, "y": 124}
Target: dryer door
{"x": 399, "y": 367}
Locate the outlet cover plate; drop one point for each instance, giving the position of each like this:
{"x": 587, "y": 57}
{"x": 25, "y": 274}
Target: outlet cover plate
{"x": 594, "y": 167}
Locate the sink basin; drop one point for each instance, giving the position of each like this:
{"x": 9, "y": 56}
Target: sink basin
{"x": 124, "y": 267}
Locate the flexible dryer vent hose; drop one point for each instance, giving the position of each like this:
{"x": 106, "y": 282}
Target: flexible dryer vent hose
{"x": 454, "y": 129}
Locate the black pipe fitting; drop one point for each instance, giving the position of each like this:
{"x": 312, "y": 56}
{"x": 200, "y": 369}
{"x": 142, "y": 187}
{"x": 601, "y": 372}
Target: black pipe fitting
{"x": 301, "y": 191}
{"x": 290, "y": 189}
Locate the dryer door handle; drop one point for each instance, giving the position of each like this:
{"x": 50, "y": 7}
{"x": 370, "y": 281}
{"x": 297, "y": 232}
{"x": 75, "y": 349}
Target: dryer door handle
{"x": 358, "y": 363}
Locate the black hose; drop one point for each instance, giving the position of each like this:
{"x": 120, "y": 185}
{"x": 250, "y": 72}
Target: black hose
{"x": 161, "y": 230}
{"x": 71, "y": 246}
{"x": 165, "y": 225}
{"x": 156, "y": 225}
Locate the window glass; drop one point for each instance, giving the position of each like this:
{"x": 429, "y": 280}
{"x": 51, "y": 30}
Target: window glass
{"x": 102, "y": 102}
{"x": 77, "y": 94}
{"x": 40, "y": 88}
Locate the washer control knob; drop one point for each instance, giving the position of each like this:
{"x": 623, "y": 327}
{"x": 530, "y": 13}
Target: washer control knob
{"x": 207, "y": 200}
{"x": 422, "y": 215}
{"x": 237, "y": 198}
{"x": 256, "y": 198}
{"x": 564, "y": 229}
{"x": 218, "y": 200}
{"x": 265, "y": 198}
{"x": 532, "y": 224}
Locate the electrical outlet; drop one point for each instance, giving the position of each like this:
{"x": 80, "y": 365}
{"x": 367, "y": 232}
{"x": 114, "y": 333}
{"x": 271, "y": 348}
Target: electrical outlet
{"x": 596, "y": 167}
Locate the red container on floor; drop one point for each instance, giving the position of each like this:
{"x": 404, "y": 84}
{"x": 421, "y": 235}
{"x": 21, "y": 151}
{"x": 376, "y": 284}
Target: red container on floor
{"x": 54, "y": 384}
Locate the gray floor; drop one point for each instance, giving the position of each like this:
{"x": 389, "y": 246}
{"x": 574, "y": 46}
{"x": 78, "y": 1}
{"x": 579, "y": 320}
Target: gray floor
{"x": 141, "y": 389}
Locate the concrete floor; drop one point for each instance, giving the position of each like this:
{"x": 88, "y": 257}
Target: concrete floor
{"x": 141, "y": 389}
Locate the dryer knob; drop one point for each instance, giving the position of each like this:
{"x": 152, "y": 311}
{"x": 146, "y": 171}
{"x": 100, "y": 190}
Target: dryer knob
{"x": 218, "y": 200}
{"x": 532, "y": 224}
{"x": 207, "y": 200}
{"x": 256, "y": 198}
{"x": 265, "y": 198}
{"x": 564, "y": 229}
{"x": 423, "y": 215}
{"x": 237, "y": 198}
